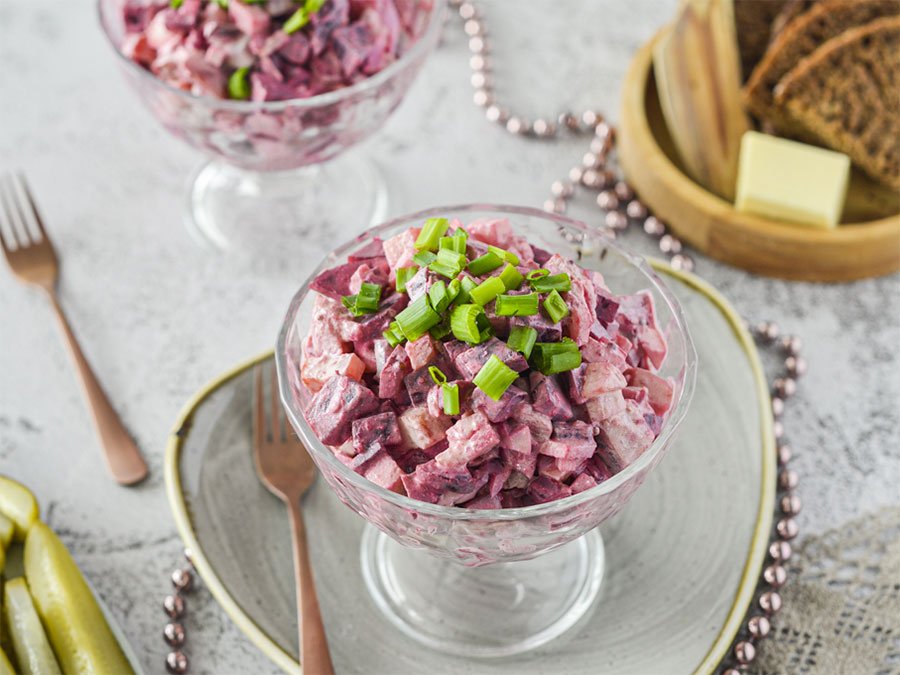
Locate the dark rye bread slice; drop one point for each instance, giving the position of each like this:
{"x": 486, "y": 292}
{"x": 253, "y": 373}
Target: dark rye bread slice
{"x": 824, "y": 21}
{"x": 753, "y": 23}
{"x": 847, "y": 95}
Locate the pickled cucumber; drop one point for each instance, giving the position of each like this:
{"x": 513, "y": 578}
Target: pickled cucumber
{"x": 30, "y": 644}
{"x": 6, "y": 531}
{"x": 18, "y": 505}
{"x": 75, "y": 624}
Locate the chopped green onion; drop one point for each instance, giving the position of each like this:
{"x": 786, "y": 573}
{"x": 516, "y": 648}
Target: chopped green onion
{"x": 517, "y": 305}
{"x": 508, "y": 256}
{"x": 404, "y": 274}
{"x": 454, "y": 243}
{"x": 442, "y": 330}
{"x": 461, "y": 232}
{"x": 487, "y": 290}
{"x": 313, "y": 6}
{"x": 537, "y": 274}
{"x": 494, "y": 378}
{"x": 222, "y": 3}
{"x": 464, "y": 323}
{"x": 417, "y": 318}
{"x": 522, "y": 339}
{"x": 449, "y": 263}
{"x": 424, "y": 258}
{"x": 437, "y": 375}
{"x": 432, "y": 231}
{"x": 485, "y": 329}
{"x": 552, "y": 282}
{"x": 484, "y": 264}
{"x": 465, "y": 290}
{"x": 391, "y": 336}
{"x": 440, "y": 299}
{"x": 349, "y": 301}
{"x": 450, "y": 393}
{"x": 296, "y": 21}
{"x": 175, "y": 4}
{"x": 511, "y": 277}
{"x": 556, "y": 357}
{"x": 368, "y": 297}
{"x": 238, "y": 86}
{"x": 453, "y": 289}
{"x": 556, "y": 307}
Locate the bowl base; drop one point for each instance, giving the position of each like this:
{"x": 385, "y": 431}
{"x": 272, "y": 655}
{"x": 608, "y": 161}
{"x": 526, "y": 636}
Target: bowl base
{"x": 284, "y": 213}
{"x": 495, "y": 610}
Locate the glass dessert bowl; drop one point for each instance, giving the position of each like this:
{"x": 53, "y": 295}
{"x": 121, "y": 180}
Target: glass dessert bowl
{"x": 278, "y": 177}
{"x": 491, "y": 582}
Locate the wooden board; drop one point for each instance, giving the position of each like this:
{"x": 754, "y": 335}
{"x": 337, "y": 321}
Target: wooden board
{"x": 861, "y": 247}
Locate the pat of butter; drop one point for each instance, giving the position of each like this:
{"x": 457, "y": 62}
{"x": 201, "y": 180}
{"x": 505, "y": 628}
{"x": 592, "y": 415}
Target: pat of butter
{"x": 791, "y": 181}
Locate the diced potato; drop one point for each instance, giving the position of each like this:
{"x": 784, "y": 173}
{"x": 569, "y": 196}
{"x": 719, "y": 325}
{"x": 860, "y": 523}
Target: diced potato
{"x": 6, "y": 531}
{"x": 5, "y": 666}
{"x": 75, "y": 624}
{"x": 18, "y": 505}
{"x": 30, "y": 644}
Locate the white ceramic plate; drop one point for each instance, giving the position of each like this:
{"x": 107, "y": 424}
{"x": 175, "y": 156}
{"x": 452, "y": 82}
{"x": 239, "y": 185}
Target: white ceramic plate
{"x": 683, "y": 557}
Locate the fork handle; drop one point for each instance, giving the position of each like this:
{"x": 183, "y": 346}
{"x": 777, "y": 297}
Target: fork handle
{"x": 122, "y": 455}
{"x": 315, "y": 658}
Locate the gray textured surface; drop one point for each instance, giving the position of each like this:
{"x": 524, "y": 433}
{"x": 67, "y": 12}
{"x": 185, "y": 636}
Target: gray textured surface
{"x": 158, "y": 317}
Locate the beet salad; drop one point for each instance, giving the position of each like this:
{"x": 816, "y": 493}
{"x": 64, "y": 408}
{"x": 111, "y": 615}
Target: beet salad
{"x": 462, "y": 366}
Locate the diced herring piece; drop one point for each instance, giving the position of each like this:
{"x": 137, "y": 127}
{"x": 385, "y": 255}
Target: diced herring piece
{"x": 336, "y": 405}
{"x": 367, "y": 274}
{"x": 559, "y": 469}
{"x": 577, "y": 437}
{"x": 600, "y": 378}
{"x": 384, "y": 471}
{"x": 539, "y": 424}
{"x": 335, "y": 281}
{"x": 418, "y": 383}
{"x": 548, "y": 397}
{"x": 582, "y": 482}
{"x": 325, "y": 329}
{"x": 400, "y": 249}
{"x": 395, "y": 369}
{"x": 381, "y": 429}
{"x": 419, "y": 429}
{"x": 316, "y": 370}
{"x": 501, "y": 410}
{"x": 603, "y": 406}
{"x": 661, "y": 391}
{"x": 444, "y": 485}
{"x": 422, "y": 352}
{"x": 469, "y": 362}
{"x": 470, "y": 438}
{"x": 581, "y": 299}
{"x": 493, "y": 231}
{"x": 543, "y": 489}
{"x": 515, "y": 437}
{"x": 624, "y": 437}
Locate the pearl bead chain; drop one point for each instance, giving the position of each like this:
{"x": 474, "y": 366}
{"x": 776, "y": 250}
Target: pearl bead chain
{"x": 622, "y": 208}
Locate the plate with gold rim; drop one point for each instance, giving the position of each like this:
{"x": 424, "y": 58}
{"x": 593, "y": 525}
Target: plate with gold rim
{"x": 683, "y": 556}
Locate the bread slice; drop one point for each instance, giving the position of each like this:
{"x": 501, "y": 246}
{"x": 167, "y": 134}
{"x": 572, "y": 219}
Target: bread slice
{"x": 789, "y": 11}
{"x": 847, "y": 94}
{"x": 753, "y": 22}
{"x": 800, "y": 38}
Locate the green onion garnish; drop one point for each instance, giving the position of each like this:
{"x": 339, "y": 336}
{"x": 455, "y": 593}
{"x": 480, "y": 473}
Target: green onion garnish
{"x": 517, "y": 305}
{"x": 454, "y": 243}
{"x": 424, "y": 258}
{"x": 552, "y": 282}
{"x": 464, "y": 323}
{"x": 537, "y": 274}
{"x": 556, "y": 357}
{"x": 368, "y": 298}
{"x": 508, "y": 256}
{"x": 449, "y": 263}
{"x": 511, "y": 277}
{"x": 485, "y": 329}
{"x": 238, "y": 85}
{"x": 494, "y": 378}
{"x": 222, "y": 3}
{"x": 175, "y": 4}
{"x": 391, "y": 336}
{"x": 437, "y": 375}
{"x": 432, "y": 231}
{"x": 417, "y": 318}
{"x": 485, "y": 263}
{"x": 296, "y": 21}
{"x": 487, "y": 290}
{"x": 453, "y": 289}
{"x": 556, "y": 307}
{"x": 465, "y": 289}
{"x": 442, "y": 330}
{"x": 440, "y": 299}
{"x": 522, "y": 339}
{"x": 404, "y": 274}
{"x": 451, "y": 398}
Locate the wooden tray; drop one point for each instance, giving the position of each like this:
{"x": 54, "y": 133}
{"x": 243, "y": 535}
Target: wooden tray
{"x": 867, "y": 245}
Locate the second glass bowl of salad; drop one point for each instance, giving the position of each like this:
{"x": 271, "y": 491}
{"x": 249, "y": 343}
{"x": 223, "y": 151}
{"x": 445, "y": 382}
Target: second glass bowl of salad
{"x": 491, "y": 582}
{"x": 278, "y": 177}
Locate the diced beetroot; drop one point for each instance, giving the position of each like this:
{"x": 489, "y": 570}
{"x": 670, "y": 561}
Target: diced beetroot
{"x": 597, "y": 469}
{"x": 581, "y": 298}
{"x": 374, "y": 249}
{"x": 577, "y": 437}
{"x": 325, "y": 329}
{"x": 517, "y": 479}
{"x": 316, "y": 370}
{"x": 382, "y": 349}
{"x": 249, "y": 19}
{"x": 334, "y": 282}
{"x": 409, "y": 458}
{"x": 559, "y": 469}
{"x": 498, "y": 411}
{"x": 381, "y": 429}
{"x": 371, "y": 326}
{"x": 603, "y": 406}
{"x": 454, "y": 348}
{"x": 582, "y": 482}
{"x": 543, "y": 489}
{"x": 547, "y": 331}
{"x": 607, "y": 306}
{"x": 575, "y": 379}
{"x": 418, "y": 383}
{"x": 136, "y": 48}
{"x": 600, "y": 378}
{"x": 395, "y": 369}
{"x": 653, "y": 345}
{"x": 469, "y": 362}
{"x": 368, "y": 274}
{"x": 384, "y": 471}
{"x": 400, "y": 249}
{"x": 515, "y": 437}
{"x": 539, "y": 424}
{"x": 471, "y": 437}
{"x": 422, "y": 352}
{"x": 513, "y": 499}
{"x": 366, "y": 455}
{"x": 607, "y": 351}
{"x": 497, "y": 473}
{"x": 419, "y": 429}
{"x": 336, "y": 405}
{"x": 444, "y": 485}
{"x": 624, "y": 437}
{"x": 494, "y": 231}
{"x": 484, "y": 501}
{"x": 540, "y": 255}
{"x": 638, "y": 394}
{"x": 548, "y": 397}
{"x": 525, "y": 463}
{"x": 365, "y": 350}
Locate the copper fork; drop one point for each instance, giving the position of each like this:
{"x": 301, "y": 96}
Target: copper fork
{"x": 284, "y": 466}
{"x": 32, "y": 259}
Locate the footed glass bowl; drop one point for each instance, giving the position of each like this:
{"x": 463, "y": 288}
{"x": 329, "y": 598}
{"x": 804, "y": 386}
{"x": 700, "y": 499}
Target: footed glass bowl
{"x": 491, "y": 582}
{"x": 273, "y": 182}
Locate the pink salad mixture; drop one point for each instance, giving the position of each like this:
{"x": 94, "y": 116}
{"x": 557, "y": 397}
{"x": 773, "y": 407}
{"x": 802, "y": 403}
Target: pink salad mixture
{"x": 472, "y": 386}
{"x": 269, "y": 50}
